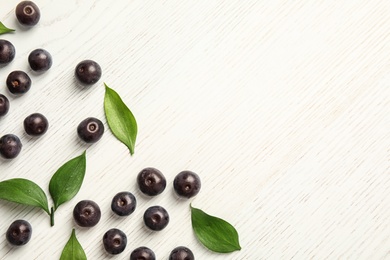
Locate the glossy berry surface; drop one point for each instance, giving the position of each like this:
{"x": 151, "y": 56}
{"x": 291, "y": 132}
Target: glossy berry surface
{"x": 36, "y": 124}
{"x": 181, "y": 253}
{"x": 86, "y": 213}
{"x": 40, "y": 60}
{"x": 114, "y": 241}
{"x": 151, "y": 181}
{"x": 10, "y": 146}
{"x": 142, "y": 253}
{"x": 88, "y": 72}
{"x": 27, "y": 13}
{"x": 19, "y": 233}
{"x": 123, "y": 203}
{"x": 18, "y": 82}
{"x": 187, "y": 184}
{"x": 90, "y": 130}
{"x": 4, "y": 105}
{"x": 7, "y": 52}
{"x": 156, "y": 218}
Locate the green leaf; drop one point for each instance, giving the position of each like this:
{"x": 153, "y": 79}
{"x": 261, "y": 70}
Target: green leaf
{"x": 73, "y": 250}
{"x": 67, "y": 180}
{"x": 120, "y": 119}
{"x": 24, "y": 192}
{"x": 214, "y": 233}
{"x": 4, "y": 29}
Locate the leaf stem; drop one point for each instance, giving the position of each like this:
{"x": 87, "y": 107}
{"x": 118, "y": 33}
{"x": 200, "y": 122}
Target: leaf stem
{"x": 52, "y": 216}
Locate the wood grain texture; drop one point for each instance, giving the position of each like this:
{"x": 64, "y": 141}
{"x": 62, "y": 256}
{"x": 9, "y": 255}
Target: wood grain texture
{"x": 282, "y": 107}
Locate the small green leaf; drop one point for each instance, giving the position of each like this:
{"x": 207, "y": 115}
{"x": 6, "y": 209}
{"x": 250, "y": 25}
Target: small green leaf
{"x": 214, "y": 233}
{"x": 120, "y": 119}
{"x": 4, "y": 29}
{"x": 24, "y": 192}
{"x": 67, "y": 180}
{"x": 73, "y": 250}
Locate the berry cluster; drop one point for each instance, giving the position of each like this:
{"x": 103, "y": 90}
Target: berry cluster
{"x": 18, "y": 82}
{"x": 151, "y": 182}
{"x": 86, "y": 213}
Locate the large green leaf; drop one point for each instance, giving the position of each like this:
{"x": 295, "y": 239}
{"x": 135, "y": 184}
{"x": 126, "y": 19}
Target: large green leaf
{"x": 120, "y": 119}
{"x": 67, "y": 180}
{"x": 214, "y": 233}
{"x": 73, "y": 249}
{"x": 24, "y": 192}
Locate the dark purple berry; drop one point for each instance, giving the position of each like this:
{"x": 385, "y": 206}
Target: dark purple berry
{"x": 88, "y": 72}
{"x": 142, "y": 253}
{"x": 35, "y": 124}
{"x": 114, "y": 241}
{"x": 4, "y": 105}
{"x": 18, "y": 82}
{"x": 10, "y": 146}
{"x": 86, "y": 213}
{"x": 151, "y": 181}
{"x": 156, "y": 218}
{"x": 40, "y": 60}
{"x": 27, "y": 13}
{"x": 7, "y": 52}
{"x": 187, "y": 184}
{"x": 19, "y": 233}
{"x": 90, "y": 130}
{"x": 181, "y": 253}
{"x": 123, "y": 203}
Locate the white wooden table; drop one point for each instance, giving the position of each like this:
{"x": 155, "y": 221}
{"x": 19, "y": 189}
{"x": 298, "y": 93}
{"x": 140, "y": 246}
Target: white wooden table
{"x": 282, "y": 108}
